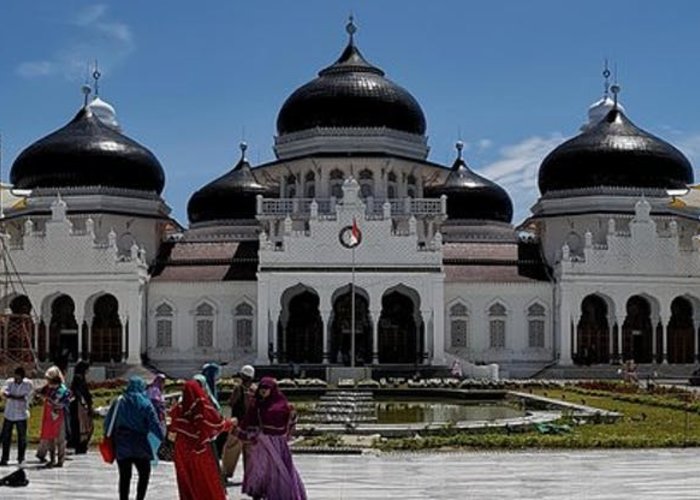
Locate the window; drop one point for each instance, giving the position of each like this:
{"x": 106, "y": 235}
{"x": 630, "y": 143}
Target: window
{"x": 291, "y": 186}
{"x": 310, "y": 185}
{"x": 535, "y": 325}
{"x": 243, "y": 322}
{"x": 497, "y": 326}
{"x": 204, "y": 325}
{"x": 337, "y": 183}
{"x": 411, "y": 187}
{"x": 391, "y": 191}
{"x": 366, "y": 183}
{"x": 164, "y": 326}
{"x": 458, "y": 325}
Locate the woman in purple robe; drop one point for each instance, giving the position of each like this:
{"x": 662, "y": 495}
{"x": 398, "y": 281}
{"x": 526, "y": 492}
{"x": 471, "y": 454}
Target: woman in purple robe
{"x": 269, "y": 470}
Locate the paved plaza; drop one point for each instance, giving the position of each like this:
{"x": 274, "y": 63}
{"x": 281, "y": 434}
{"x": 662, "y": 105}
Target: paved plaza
{"x": 590, "y": 475}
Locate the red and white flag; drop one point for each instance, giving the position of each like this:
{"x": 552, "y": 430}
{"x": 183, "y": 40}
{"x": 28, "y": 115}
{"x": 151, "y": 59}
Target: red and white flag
{"x": 355, "y": 233}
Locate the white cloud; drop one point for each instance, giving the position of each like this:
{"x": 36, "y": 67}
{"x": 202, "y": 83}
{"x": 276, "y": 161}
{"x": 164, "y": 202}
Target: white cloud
{"x": 33, "y": 69}
{"x": 99, "y": 37}
{"x": 516, "y": 170}
{"x": 485, "y": 143}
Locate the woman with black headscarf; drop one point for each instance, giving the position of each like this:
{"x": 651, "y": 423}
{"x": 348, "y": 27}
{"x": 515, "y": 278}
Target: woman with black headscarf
{"x": 81, "y": 425}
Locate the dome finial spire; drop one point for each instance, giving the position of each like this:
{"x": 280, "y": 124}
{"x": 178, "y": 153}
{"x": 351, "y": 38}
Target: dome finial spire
{"x": 351, "y": 28}
{"x": 606, "y": 76}
{"x": 460, "y": 146}
{"x": 615, "y": 88}
{"x": 96, "y": 77}
{"x": 243, "y": 147}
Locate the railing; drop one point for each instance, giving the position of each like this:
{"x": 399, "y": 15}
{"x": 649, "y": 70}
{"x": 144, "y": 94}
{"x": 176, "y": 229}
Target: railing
{"x": 303, "y": 207}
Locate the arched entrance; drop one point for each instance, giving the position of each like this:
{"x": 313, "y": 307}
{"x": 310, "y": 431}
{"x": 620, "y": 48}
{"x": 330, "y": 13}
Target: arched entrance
{"x": 63, "y": 330}
{"x": 637, "y": 335}
{"x": 680, "y": 332}
{"x": 593, "y": 333}
{"x": 341, "y": 330}
{"x": 301, "y": 339}
{"x": 106, "y": 331}
{"x": 399, "y": 330}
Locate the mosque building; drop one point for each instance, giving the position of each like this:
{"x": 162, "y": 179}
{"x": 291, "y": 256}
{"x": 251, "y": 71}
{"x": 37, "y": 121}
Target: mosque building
{"x": 605, "y": 268}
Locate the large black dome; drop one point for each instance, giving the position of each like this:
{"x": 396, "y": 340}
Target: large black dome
{"x": 86, "y": 152}
{"x": 231, "y": 196}
{"x": 351, "y": 93}
{"x": 614, "y": 153}
{"x": 471, "y": 196}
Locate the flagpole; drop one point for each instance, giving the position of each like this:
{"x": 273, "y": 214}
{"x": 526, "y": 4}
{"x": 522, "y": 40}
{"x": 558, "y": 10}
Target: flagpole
{"x": 352, "y": 312}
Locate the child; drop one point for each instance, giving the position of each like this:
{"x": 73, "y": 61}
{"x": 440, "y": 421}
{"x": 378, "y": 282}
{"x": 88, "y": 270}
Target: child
{"x": 53, "y": 430}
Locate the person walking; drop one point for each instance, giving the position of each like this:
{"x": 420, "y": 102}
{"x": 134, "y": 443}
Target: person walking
{"x": 53, "y": 428}
{"x": 269, "y": 470}
{"x": 136, "y": 433}
{"x": 80, "y": 410}
{"x": 242, "y": 395}
{"x": 154, "y": 391}
{"x": 17, "y": 392}
{"x": 196, "y": 423}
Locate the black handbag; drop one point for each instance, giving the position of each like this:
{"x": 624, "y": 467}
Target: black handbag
{"x": 166, "y": 452}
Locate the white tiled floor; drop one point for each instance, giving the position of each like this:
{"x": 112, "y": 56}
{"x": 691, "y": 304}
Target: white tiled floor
{"x": 586, "y": 475}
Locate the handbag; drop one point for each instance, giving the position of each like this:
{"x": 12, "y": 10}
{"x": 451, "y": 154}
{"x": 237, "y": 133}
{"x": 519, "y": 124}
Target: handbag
{"x": 107, "y": 444}
{"x": 166, "y": 452}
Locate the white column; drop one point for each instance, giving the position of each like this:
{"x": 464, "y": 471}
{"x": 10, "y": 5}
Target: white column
{"x": 325, "y": 318}
{"x": 574, "y": 326}
{"x": 376, "y": 313}
{"x": 428, "y": 340}
{"x": 80, "y": 322}
{"x": 438, "y": 320}
{"x": 620, "y": 347}
{"x": 664, "y": 340}
{"x": 263, "y": 322}
{"x": 127, "y": 338}
{"x": 35, "y": 336}
{"x": 565, "y": 329}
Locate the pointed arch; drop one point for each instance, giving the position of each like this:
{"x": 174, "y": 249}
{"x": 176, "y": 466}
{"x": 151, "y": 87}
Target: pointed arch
{"x": 497, "y": 313}
{"x": 300, "y": 329}
{"x": 341, "y": 326}
{"x": 243, "y": 325}
{"x": 458, "y": 319}
{"x": 593, "y": 332}
{"x": 204, "y": 315}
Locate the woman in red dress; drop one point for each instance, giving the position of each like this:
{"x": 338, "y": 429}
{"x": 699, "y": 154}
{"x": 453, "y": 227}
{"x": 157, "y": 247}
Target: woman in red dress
{"x": 196, "y": 423}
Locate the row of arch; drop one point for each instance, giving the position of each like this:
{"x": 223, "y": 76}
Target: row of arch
{"x": 58, "y": 335}
{"x": 294, "y": 185}
{"x": 394, "y": 334}
{"x": 641, "y": 333}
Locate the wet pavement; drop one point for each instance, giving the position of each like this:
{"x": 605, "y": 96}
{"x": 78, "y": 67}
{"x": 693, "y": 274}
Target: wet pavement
{"x": 581, "y": 475}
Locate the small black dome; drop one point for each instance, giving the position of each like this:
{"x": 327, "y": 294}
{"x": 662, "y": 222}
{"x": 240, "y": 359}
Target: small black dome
{"x": 86, "y": 152}
{"x": 471, "y": 196}
{"x": 231, "y": 196}
{"x": 615, "y": 152}
{"x": 351, "y": 93}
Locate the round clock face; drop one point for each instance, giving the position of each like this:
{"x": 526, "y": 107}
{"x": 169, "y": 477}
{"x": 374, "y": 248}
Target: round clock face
{"x": 348, "y": 239}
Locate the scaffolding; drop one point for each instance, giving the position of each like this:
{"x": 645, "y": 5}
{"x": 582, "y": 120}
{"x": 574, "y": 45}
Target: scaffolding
{"x": 17, "y": 327}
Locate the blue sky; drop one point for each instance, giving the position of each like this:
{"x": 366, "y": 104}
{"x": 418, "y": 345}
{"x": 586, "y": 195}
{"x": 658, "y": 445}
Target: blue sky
{"x": 190, "y": 80}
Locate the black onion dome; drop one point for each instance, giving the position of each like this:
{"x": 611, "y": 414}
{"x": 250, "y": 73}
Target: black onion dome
{"x": 231, "y": 196}
{"x": 86, "y": 152}
{"x": 351, "y": 93}
{"x": 615, "y": 152}
{"x": 471, "y": 196}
